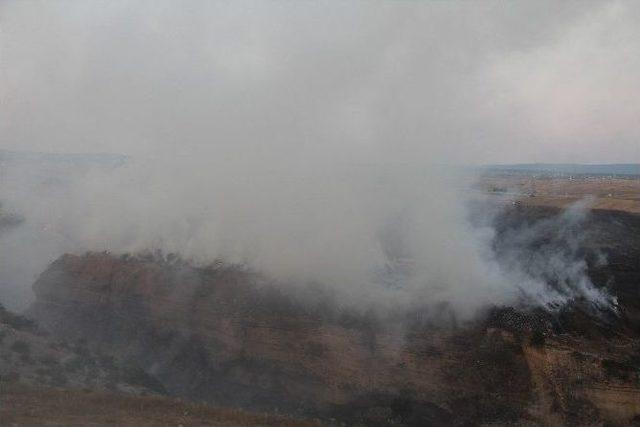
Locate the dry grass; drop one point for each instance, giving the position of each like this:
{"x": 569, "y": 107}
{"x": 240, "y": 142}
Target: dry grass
{"x": 608, "y": 193}
{"x": 28, "y": 406}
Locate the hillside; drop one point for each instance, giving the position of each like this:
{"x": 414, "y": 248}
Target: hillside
{"x": 224, "y": 335}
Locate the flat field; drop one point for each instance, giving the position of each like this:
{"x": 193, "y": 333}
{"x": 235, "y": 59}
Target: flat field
{"x": 607, "y": 193}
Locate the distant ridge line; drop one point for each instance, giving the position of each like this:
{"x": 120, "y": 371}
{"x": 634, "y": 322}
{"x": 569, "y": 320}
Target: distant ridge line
{"x": 628, "y": 169}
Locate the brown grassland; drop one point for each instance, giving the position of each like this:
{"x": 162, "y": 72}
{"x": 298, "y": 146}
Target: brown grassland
{"x": 608, "y": 193}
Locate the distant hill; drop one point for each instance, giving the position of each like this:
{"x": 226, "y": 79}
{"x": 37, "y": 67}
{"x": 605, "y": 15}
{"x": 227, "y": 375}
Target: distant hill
{"x": 78, "y": 159}
{"x": 618, "y": 169}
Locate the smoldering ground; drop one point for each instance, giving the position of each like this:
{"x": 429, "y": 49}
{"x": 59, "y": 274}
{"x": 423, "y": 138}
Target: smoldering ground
{"x": 298, "y": 138}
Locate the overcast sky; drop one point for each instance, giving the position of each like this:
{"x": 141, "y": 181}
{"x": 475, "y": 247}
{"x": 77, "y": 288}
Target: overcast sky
{"x": 468, "y": 82}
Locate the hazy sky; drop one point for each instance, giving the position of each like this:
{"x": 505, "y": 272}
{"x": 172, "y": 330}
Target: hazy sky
{"x": 470, "y": 82}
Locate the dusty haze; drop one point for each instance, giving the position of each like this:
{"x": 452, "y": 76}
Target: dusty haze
{"x": 307, "y": 140}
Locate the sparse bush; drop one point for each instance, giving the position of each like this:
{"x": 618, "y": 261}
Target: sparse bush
{"x": 74, "y": 364}
{"x": 43, "y": 372}
{"x": 137, "y": 376}
{"x": 48, "y": 361}
{"x": 11, "y": 377}
{"x": 15, "y": 321}
{"x": 21, "y": 347}
{"x": 618, "y": 369}
{"x": 315, "y": 349}
{"x": 106, "y": 361}
{"x": 537, "y": 338}
{"x": 81, "y": 348}
{"x": 58, "y": 379}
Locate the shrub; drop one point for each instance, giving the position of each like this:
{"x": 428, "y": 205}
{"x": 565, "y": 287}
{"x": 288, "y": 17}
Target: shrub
{"x": 21, "y": 347}
{"x": 537, "y": 338}
{"x": 16, "y": 321}
{"x": 48, "y": 361}
{"x": 11, "y": 377}
{"x": 74, "y": 364}
{"x": 58, "y": 379}
{"x": 135, "y": 375}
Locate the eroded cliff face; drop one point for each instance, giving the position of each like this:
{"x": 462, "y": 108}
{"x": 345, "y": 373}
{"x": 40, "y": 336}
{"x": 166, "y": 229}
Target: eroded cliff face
{"x": 225, "y": 335}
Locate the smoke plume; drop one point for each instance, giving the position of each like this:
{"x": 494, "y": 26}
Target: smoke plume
{"x": 311, "y": 141}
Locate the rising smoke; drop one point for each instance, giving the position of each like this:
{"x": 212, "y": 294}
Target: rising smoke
{"x": 307, "y": 140}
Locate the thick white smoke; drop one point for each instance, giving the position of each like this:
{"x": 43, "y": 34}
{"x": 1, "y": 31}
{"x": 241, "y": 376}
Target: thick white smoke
{"x": 340, "y": 224}
{"x": 300, "y": 138}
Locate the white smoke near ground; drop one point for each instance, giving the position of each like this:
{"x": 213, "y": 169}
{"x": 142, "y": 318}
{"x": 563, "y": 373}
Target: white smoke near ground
{"x": 341, "y": 228}
{"x": 553, "y": 251}
{"x": 306, "y": 140}
{"x": 378, "y": 236}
